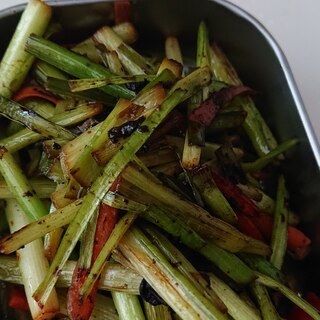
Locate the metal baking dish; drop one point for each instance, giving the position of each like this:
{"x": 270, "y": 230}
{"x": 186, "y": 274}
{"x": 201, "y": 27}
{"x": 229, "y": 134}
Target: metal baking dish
{"x": 256, "y": 56}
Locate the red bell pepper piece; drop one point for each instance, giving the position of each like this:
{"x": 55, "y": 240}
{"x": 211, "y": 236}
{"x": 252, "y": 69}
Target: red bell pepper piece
{"x": 34, "y": 91}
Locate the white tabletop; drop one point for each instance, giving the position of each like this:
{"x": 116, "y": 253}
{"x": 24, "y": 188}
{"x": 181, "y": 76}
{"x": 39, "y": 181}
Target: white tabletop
{"x": 295, "y": 25}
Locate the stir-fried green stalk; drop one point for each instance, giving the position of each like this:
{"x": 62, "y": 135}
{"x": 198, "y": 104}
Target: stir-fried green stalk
{"x": 238, "y": 308}
{"x": 192, "y": 152}
{"x": 126, "y": 31}
{"x": 194, "y": 139}
{"x": 32, "y": 264}
{"x": 87, "y": 243}
{"x": 31, "y": 120}
{"x": 20, "y": 187}
{"x": 133, "y": 62}
{"x": 118, "y": 201}
{"x": 261, "y": 265}
{"x": 267, "y": 158}
{"x": 280, "y": 226}
{"x": 112, "y": 60}
{"x": 213, "y": 197}
{"x": 25, "y": 137}
{"x": 43, "y": 188}
{"x": 292, "y": 296}
{"x": 86, "y": 84}
{"x": 208, "y": 151}
{"x": 128, "y": 306}
{"x": 257, "y": 130}
{"x": 226, "y": 120}
{"x": 156, "y": 312}
{"x": 180, "y": 92}
{"x": 84, "y": 168}
{"x": 45, "y": 109}
{"x": 222, "y": 233}
{"x": 55, "y": 81}
{"x": 120, "y": 229}
{"x": 173, "y": 50}
{"x": 165, "y": 76}
{"x": 73, "y": 64}
{"x": 158, "y": 157}
{"x": 114, "y": 277}
{"x": 88, "y": 49}
{"x": 177, "y": 259}
{"x": 42, "y": 71}
{"x": 59, "y": 218}
{"x": 40, "y": 227}
{"x": 173, "y": 287}
{"x": 16, "y": 62}
{"x": 268, "y": 310}
{"x": 227, "y": 262}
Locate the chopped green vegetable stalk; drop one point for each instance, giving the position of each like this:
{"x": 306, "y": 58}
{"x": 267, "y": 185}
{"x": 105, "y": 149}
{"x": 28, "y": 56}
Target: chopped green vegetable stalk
{"x": 42, "y": 187}
{"x": 238, "y": 308}
{"x": 128, "y": 306}
{"x": 227, "y": 262}
{"x": 25, "y": 137}
{"x": 87, "y": 243}
{"x": 257, "y": 130}
{"x": 55, "y": 81}
{"x": 223, "y": 234}
{"x": 31, "y": 120}
{"x": 86, "y": 84}
{"x": 173, "y": 50}
{"x": 113, "y": 62}
{"x": 32, "y": 264}
{"x": 180, "y": 92}
{"x": 280, "y": 226}
{"x": 267, "y": 158}
{"x": 173, "y": 287}
{"x": 40, "y": 227}
{"x": 268, "y": 310}
{"x": 133, "y": 62}
{"x": 117, "y": 233}
{"x": 88, "y": 49}
{"x": 117, "y": 201}
{"x": 208, "y": 151}
{"x": 175, "y": 67}
{"x": 42, "y": 71}
{"x": 183, "y": 265}
{"x": 213, "y": 197}
{"x": 126, "y": 31}
{"x": 73, "y": 64}
{"x": 261, "y": 265}
{"x": 293, "y": 297}
{"x": 158, "y": 157}
{"x": 16, "y": 62}
{"x": 226, "y": 120}
{"x": 100, "y": 143}
{"x": 114, "y": 277}
{"x": 156, "y": 312}
{"x": 20, "y": 187}
{"x": 194, "y": 139}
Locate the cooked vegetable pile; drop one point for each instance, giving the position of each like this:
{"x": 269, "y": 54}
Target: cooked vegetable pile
{"x": 146, "y": 187}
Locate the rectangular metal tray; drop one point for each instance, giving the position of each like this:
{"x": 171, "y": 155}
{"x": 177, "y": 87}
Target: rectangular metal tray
{"x": 256, "y": 56}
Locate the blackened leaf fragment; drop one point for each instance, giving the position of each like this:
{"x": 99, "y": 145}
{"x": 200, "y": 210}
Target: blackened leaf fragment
{"x": 125, "y": 130}
{"x": 148, "y": 294}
